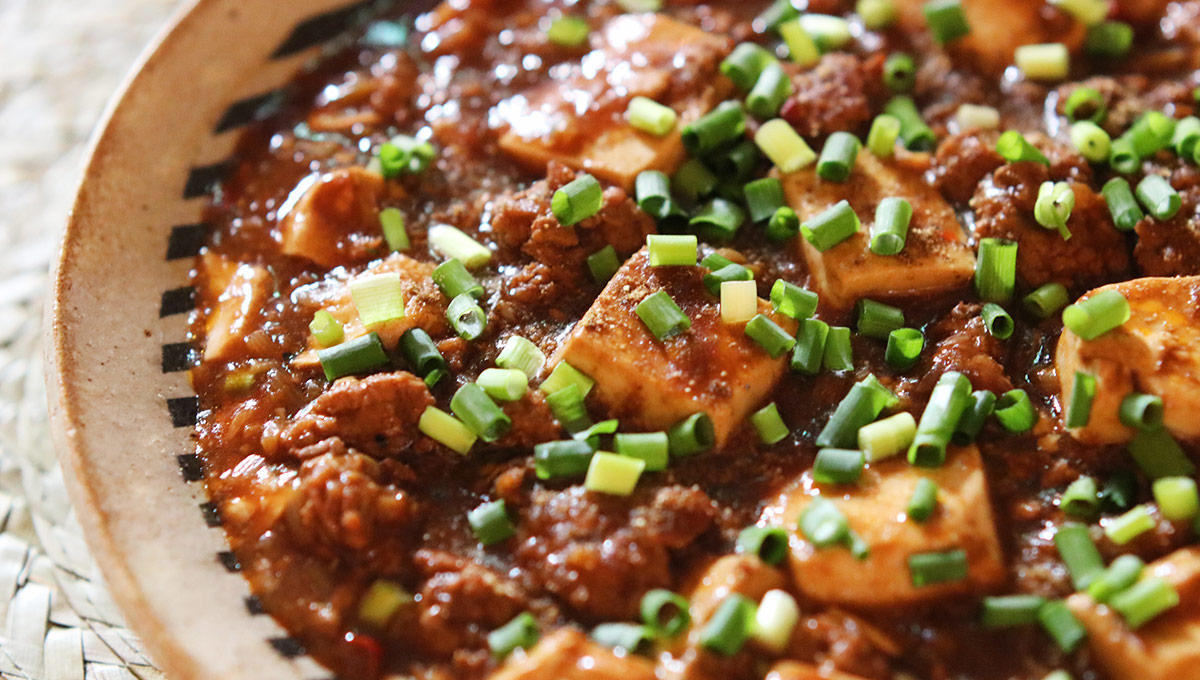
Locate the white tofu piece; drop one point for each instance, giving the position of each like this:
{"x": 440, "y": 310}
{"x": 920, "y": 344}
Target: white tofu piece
{"x": 1157, "y": 351}
{"x": 875, "y": 509}
{"x": 566, "y": 654}
{"x": 651, "y": 384}
{"x": 732, "y": 574}
{"x": 935, "y": 258}
{"x": 578, "y": 119}
{"x": 316, "y": 226}
{"x": 235, "y": 296}
{"x": 1167, "y": 648}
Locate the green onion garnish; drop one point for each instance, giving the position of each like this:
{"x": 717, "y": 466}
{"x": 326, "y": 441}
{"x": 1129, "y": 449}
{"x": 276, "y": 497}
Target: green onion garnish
{"x": 593, "y": 433}
{"x": 828, "y": 31}
{"x": 404, "y": 155}
{"x": 1092, "y": 142}
{"x": 1158, "y": 455}
{"x": 490, "y": 522}
{"x": 665, "y": 613}
{"x": 564, "y": 375}
{"x": 779, "y": 142}
{"x": 1081, "y": 498}
{"x": 1085, "y": 104}
{"x": 1186, "y": 137}
{"x": 569, "y": 410}
{"x": 653, "y": 191}
{"x": 731, "y": 272}
{"x": 802, "y": 48}
{"x": 745, "y": 64}
{"x": 763, "y": 198}
{"x": 714, "y": 129}
{"x": 998, "y": 322}
{"x": 973, "y": 117}
{"x": 663, "y": 318}
{"x": 1097, "y": 315}
{"x": 627, "y": 637}
{"x": 1015, "y": 412}
{"x": 996, "y": 269}
{"x": 1061, "y": 624}
{"x": 980, "y": 405}
{"x": 769, "y": 92}
{"x": 691, "y": 435}
{"x": 838, "y": 466}
{"x": 1120, "y": 490}
{"x": 1014, "y": 148}
{"x": 899, "y": 72}
{"x": 446, "y": 430}
{"x": 776, "y": 619}
{"x": 671, "y": 249}
{"x": 603, "y": 264}
{"x": 876, "y": 319}
{"x": 888, "y": 437}
{"x": 779, "y": 12}
{"x": 1122, "y": 573}
{"x": 823, "y": 524}
{"x": 1083, "y": 392}
{"x": 1010, "y": 610}
{"x": 1049, "y": 61}
{"x": 923, "y": 501}
{"x": 647, "y": 115}
{"x": 770, "y": 544}
{"x": 876, "y": 14}
{"x": 521, "y": 632}
{"x": 915, "y": 134}
{"x": 326, "y": 329}
{"x": 1124, "y": 528}
{"x": 1110, "y": 39}
{"x": 1123, "y": 157}
{"x": 1177, "y": 498}
{"x": 1121, "y": 205}
{"x": 503, "y": 384}
{"x": 1142, "y": 411}
{"x": 1088, "y": 12}
{"x": 568, "y": 458}
{"x": 391, "y": 222}
{"x": 768, "y": 334}
{"x": 729, "y": 628}
{"x": 421, "y": 352}
{"x": 881, "y": 140}
{"x": 769, "y": 424}
{"x": 378, "y": 297}
{"x": 1055, "y": 201}
{"x": 831, "y": 227}
{"x": 890, "y": 229}
{"x": 476, "y": 409}
{"x": 946, "y": 20}
{"x": 452, "y": 242}
{"x": 904, "y": 347}
{"x": 783, "y": 225}
{"x": 950, "y": 398}
{"x": 1158, "y": 196}
{"x": 381, "y": 602}
{"x": 839, "y": 354}
{"x": 360, "y": 355}
{"x": 837, "y": 157}
{"x": 809, "y": 351}
{"x": 568, "y": 31}
{"x": 1150, "y": 133}
{"x": 862, "y": 404}
{"x": 718, "y": 220}
{"x": 613, "y": 474}
{"x": 577, "y": 200}
{"x": 454, "y": 280}
{"x": 931, "y": 568}
{"x": 793, "y": 301}
{"x": 466, "y": 317}
{"x": 1144, "y": 601}
{"x": 693, "y": 180}
{"x": 650, "y": 447}
{"x": 521, "y": 354}
{"x": 1079, "y": 553}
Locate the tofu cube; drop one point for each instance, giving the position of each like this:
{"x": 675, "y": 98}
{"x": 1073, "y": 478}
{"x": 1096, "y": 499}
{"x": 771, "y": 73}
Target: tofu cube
{"x": 732, "y": 574}
{"x": 234, "y": 295}
{"x": 651, "y": 384}
{"x": 875, "y": 509}
{"x": 328, "y": 211}
{"x": 1167, "y": 648}
{"x": 578, "y": 119}
{"x": 935, "y": 258}
{"x": 566, "y": 654}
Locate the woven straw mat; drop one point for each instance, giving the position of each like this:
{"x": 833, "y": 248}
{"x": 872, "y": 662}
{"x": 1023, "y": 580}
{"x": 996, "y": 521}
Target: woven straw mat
{"x": 60, "y": 61}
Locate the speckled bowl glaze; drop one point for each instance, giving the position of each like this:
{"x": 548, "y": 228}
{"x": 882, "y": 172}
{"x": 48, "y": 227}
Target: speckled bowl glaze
{"x": 120, "y": 399}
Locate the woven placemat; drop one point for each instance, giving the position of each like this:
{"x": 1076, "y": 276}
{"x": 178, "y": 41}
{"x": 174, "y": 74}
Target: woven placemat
{"x": 60, "y": 61}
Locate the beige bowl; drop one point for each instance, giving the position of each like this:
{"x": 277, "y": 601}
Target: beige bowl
{"x": 121, "y": 404}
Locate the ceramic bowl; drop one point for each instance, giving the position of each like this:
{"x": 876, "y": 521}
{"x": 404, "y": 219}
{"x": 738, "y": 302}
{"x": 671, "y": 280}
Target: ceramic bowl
{"x": 120, "y": 400}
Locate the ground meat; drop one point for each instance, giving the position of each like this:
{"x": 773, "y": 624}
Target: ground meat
{"x": 850, "y": 644}
{"x": 600, "y": 553}
{"x": 963, "y": 344}
{"x": 533, "y": 423}
{"x": 835, "y": 95}
{"x": 1171, "y": 247}
{"x": 377, "y": 414}
{"x": 1003, "y": 205}
{"x": 961, "y": 163}
{"x": 460, "y": 602}
{"x": 343, "y": 509}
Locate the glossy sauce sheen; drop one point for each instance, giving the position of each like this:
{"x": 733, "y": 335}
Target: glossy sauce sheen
{"x": 323, "y": 489}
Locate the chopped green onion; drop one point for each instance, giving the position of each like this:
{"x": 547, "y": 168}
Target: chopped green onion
{"x": 476, "y": 409}
{"x": 837, "y": 157}
{"x": 980, "y": 405}
{"x": 769, "y": 425}
{"x": 505, "y": 384}
{"x": 628, "y": 637}
{"x": 793, "y": 301}
{"x": 1015, "y": 412}
{"x": 996, "y": 269}
{"x": 671, "y": 249}
{"x": 378, "y": 297}
{"x": 888, "y": 437}
{"x": 950, "y": 398}
{"x": 946, "y": 20}
{"x": 823, "y": 524}
{"x": 1088, "y": 12}
{"x": 861, "y": 405}
{"x": 779, "y": 142}
{"x": 768, "y": 334}
{"x": 1010, "y": 610}
{"x": 1158, "y": 455}
{"x": 466, "y": 317}
{"x": 1123, "y": 157}
{"x": 577, "y": 200}
{"x": 831, "y": 227}
{"x": 1055, "y": 201}
{"x": 454, "y": 280}
{"x": 770, "y": 544}
{"x": 647, "y": 115}
{"x": 613, "y": 474}
{"x": 998, "y": 322}
{"x": 838, "y": 466}
{"x": 739, "y": 299}
{"x": 1092, "y": 142}
{"x": 876, "y": 14}
{"x": 729, "y": 628}
{"x": 391, "y": 222}
{"x": 1049, "y": 61}
{"x": 653, "y": 191}
{"x": 1186, "y": 138}
{"x": 828, "y": 31}
{"x": 931, "y": 568}
{"x": 1124, "y": 528}
{"x": 568, "y": 31}
{"x": 1014, "y": 148}
{"x": 421, "y": 352}
{"x": 783, "y": 225}
{"x": 592, "y": 434}
{"x": 1083, "y": 392}
{"x": 776, "y": 619}
{"x": 523, "y": 355}
{"x": 665, "y": 613}
{"x": 772, "y": 17}
{"x": 564, "y": 375}
{"x": 1079, "y": 553}
{"x": 1150, "y": 133}
{"x": 490, "y": 522}
{"x": 839, "y": 354}
{"x": 718, "y": 220}
{"x": 360, "y": 355}
{"x": 381, "y": 602}
{"x": 915, "y": 134}
{"x": 745, "y": 64}
{"x": 890, "y": 229}
{"x": 1061, "y": 624}
{"x": 663, "y": 318}
{"x": 1085, "y": 104}
{"x": 326, "y": 329}
{"x": 881, "y": 140}
{"x": 802, "y": 48}
{"x": 568, "y": 409}
{"x": 640, "y": 6}
{"x": 651, "y": 447}
{"x": 568, "y": 458}
{"x": 1097, "y": 315}
{"x": 521, "y": 632}
{"x": 1111, "y": 39}
{"x": 603, "y": 264}
{"x": 1120, "y": 490}
{"x": 452, "y": 242}
{"x": 735, "y": 165}
{"x": 693, "y": 180}
{"x": 1177, "y": 498}
{"x": 1142, "y": 411}
{"x": 1081, "y": 498}
{"x": 691, "y": 435}
{"x": 876, "y": 319}
{"x": 1159, "y": 197}
{"x": 446, "y": 430}
{"x": 1144, "y": 601}
{"x": 1046, "y": 300}
{"x": 770, "y": 90}
{"x": 923, "y": 501}
{"x": 809, "y": 351}
{"x": 899, "y": 72}
{"x": 763, "y": 197}
{"x": 404, "y": 155}
{"x": 1122, "y": 573}
{"x": 904, "y": 347}
{"x": 973, "y": 117}
{"x": 714, "y": 129}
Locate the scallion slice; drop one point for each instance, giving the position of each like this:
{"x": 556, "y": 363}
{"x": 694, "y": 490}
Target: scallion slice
{"x": 730, "y": 626}
{"x": 691, "y": 435}
{"x": 783, "y": 225}
{"x": 1142, "y": 411}
{"x": 881, "y": 140}
{"x": 391, "y": 222}
{"x": 1092, "y": 142}
{"x": 904, "y": 347}
{"x": 998, "y": 322}
{"x": 714, "y": 129}
{"x": 565, "y": 375}
{"x": 647, "y": 115}
{"x": 613, "y": 474}
{"x": 932, "y": 568}
{"x": 404, "y": 155}
{"x": 1061, "y": 624}
{"x": 603, "y": 264}
{"x": 651, "y": 447}
{"x": 802, "y": 48}
{"x": 946, "y": 20}
{"x": 1049, "y": 61}
{"x": 1085, "y": 104}
{"x": 1186, "y": 137}
{"x": 950, "y": 398}
{"x": 1081, "y": 498}
{"x": 828, "y": 31}
{"x": 326, "y": 329}
{"x": 1010, "y": 610}
{"x": 769, "y": 92}
{"x": 663, "y": 318}
{"x": 779, "y": 12}
{"x": 446, "y": 430}
{"x": 890, "y": 229}
{"x": 520, "y": 633}
{"x": 454, "y": 280}
{"x": 719, "y": 220}
{"x": 832, "y": 226}
{"x": 876, "y": 14}
{"x": 793, "y": 301}
{"x": 763, "y": 197}
{"x": 776, "y": 619}
{"x": 504, "y": 384}
{"x": 653, "y": 191}
{"x": 774, "y": 340}
{"x": 421, "y": 352}
{"x": 839, "y": 353}
{"x": 996, "y": 269}
{"x": 838, "y": 466}
{"x": 876, "y": 319}
{"x": 577, "y": 200}
{"x": 665, "y": 613}
{"x": 490, "y": 522}
{"x": 823, "y": 523}
{"x": 1123, "y": 157}
{"x": 1083, "y": 392}
{"x": 1158, "y": 455}
{"x": 1079, "y": 553}
{"x": 923, "y": 501}
{"x": 360, "y": 355}
{"x": 745, "y": 64}
{"x": 980, "y": 406}
{"x": 568, "y": 31}
{"x": 1015, "y": 412}
{"x": 1055, "y": 201}
{"x": 565, "y": 459}
{"x": 1046, "y": 300}
{"x": 769, "y": 424}
{"x": 837, "y": 157}
{"x": 861, "y": 405}
{"x": 915, "y": 134}
{"x": 466, "y": 317}
{"x": 1097, "y": 315}
{"x": 452, "y": 242}
{"x": 1124, "y": 528}
{"x": 899, "y": 72}
{"x": 476, "y": 409}
{"x": 1088, "y": 12}
{"x": 1159, "y": 197}
{"x": 779, "y": 142}
{"x": 1122, "y": 573}
{"x": 693, "y": 180}
{"x": 627, "y": 637}
{"x": 378, "y": 297}
{"x": 671, "y": 249}
{"x": 1109, "y": 39}
{"x": 888, "y": 437}
{"x": 521, "y": 354}
{"x": 974, "y": 117}
{"x": 770, "y": 544}
{"x": 1177, "y": 498}
{"x": 809, "y": 351}
{"x": 381, "y": 602}
{"x": 1144, "y": 601}
{"x": 1121, "y": 204}
{"x": 1014, "y": 148}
